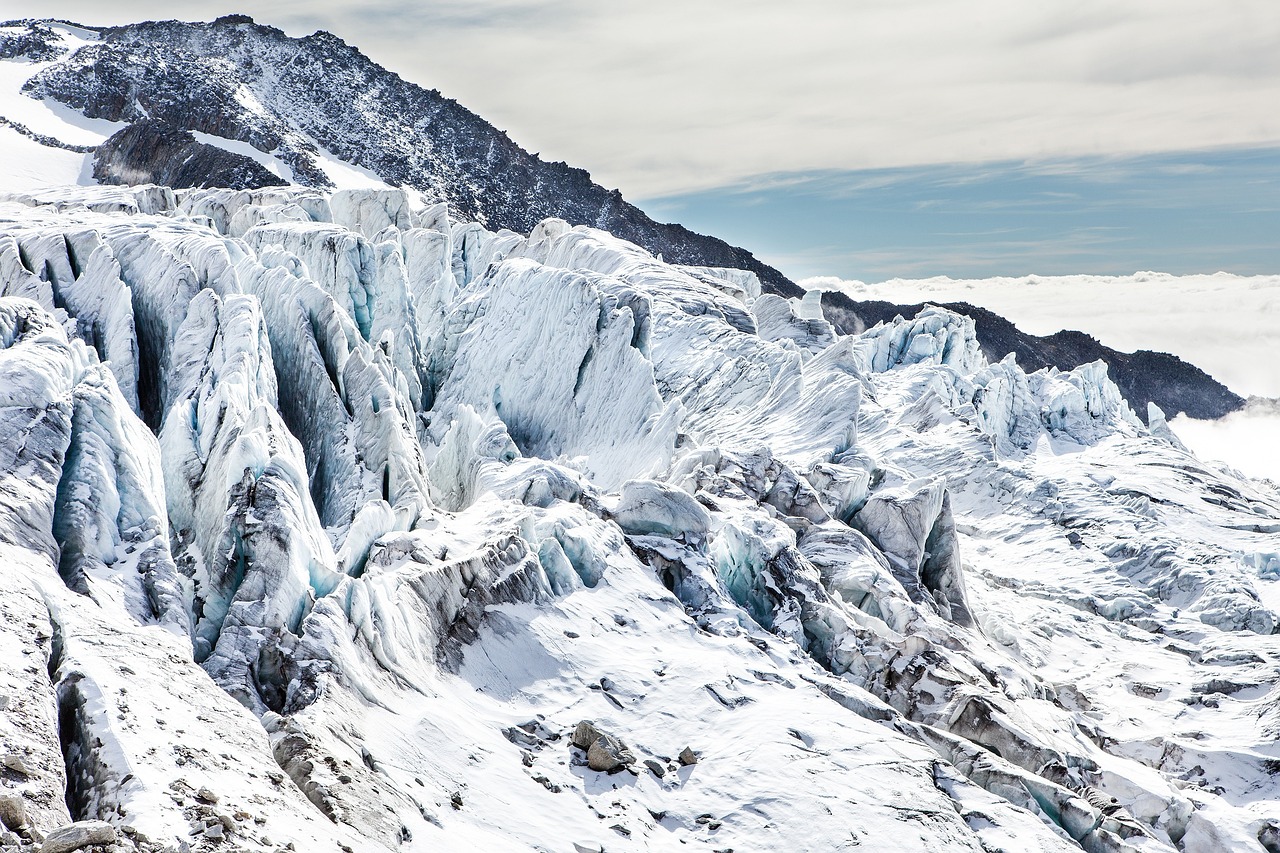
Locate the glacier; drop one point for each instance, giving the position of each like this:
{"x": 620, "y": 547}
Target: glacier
{"x": 1227, "y": 324}
{"x": 327, "y": 519}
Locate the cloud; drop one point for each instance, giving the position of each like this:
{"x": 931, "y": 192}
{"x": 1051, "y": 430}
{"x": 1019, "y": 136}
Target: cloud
{"x": 1245, "y": 440}
{"x": 667, "y": 95}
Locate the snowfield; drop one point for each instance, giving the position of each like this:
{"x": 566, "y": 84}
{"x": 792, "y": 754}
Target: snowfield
{"x": 329, "y": 521}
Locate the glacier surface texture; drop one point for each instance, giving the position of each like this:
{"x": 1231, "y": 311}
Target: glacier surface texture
{"x": 327, "y": 520}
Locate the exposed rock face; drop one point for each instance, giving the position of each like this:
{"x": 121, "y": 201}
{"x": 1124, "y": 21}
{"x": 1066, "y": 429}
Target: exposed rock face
{"x": 36, "y": 42}
{"x": 152, "y": 152}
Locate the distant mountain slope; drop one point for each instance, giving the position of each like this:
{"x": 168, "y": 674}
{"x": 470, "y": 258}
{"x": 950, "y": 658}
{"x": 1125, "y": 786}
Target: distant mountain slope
{"x": 310, "y": 99}
{"x": 1143, "y": 376}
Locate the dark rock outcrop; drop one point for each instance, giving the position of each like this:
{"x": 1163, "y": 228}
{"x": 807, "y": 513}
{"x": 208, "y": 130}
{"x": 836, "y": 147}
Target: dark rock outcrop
{"x": 1143, "y": 376}
{"x": 38, "y": 44}
{"x": 152, "y": 152}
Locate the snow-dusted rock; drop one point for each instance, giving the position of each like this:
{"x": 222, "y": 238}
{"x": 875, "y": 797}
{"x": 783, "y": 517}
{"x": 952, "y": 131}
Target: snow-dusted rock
{"x": 605, "y": 753}
{"x": 77, "y": 836}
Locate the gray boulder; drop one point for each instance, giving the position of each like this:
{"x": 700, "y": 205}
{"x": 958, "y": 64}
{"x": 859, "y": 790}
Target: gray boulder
{"x": 605, "y": 753}
{"x": 77, "y": 836}
{"x": 13, "y": 811}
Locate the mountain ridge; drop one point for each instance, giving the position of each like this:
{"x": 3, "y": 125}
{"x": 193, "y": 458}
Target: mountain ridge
{"x": 445, "y": 150}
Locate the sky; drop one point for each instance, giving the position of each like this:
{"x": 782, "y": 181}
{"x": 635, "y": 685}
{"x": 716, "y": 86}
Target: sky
{"x": 1182, "y": 212}
{"x": 915, "y": 133}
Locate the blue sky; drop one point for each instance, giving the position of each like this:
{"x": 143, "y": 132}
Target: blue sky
{"x": 1183, "y": 212}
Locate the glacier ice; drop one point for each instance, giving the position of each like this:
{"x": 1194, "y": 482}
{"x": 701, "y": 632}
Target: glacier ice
{"x": 418, "y": 498}
{"x": 913, "y": 527}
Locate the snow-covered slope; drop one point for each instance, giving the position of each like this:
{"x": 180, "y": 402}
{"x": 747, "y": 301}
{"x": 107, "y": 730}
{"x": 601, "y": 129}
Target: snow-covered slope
{"x": 328, "y": 520}
{"x": 311, "y": 110}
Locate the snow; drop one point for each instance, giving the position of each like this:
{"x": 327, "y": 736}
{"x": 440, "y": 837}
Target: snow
{"x": 272, "y": 164}
{"x": 425, "y": 497}
{"x": 27, "y": 165}
{"x": 344, "y": 175}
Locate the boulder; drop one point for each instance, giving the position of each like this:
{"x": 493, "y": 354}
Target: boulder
{"x": 13, "y": 811}
{"x": 605, "y": 753}
{"x": 77, "y": 836}
{"x": 14, "y": 762}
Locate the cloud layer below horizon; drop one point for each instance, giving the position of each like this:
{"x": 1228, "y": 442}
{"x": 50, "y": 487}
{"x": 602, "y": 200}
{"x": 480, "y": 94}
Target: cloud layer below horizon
{"x": 669, "y": 97}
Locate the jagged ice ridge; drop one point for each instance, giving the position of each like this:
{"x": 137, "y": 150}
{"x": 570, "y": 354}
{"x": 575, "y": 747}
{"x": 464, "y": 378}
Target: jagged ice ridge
{"x": 326, "y": 519}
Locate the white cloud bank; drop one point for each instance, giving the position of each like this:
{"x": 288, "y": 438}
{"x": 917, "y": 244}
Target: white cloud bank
{"x": 668, "y": 96}
{"x": 1227, "y": 325}
{"x": 1248, "y": 440}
